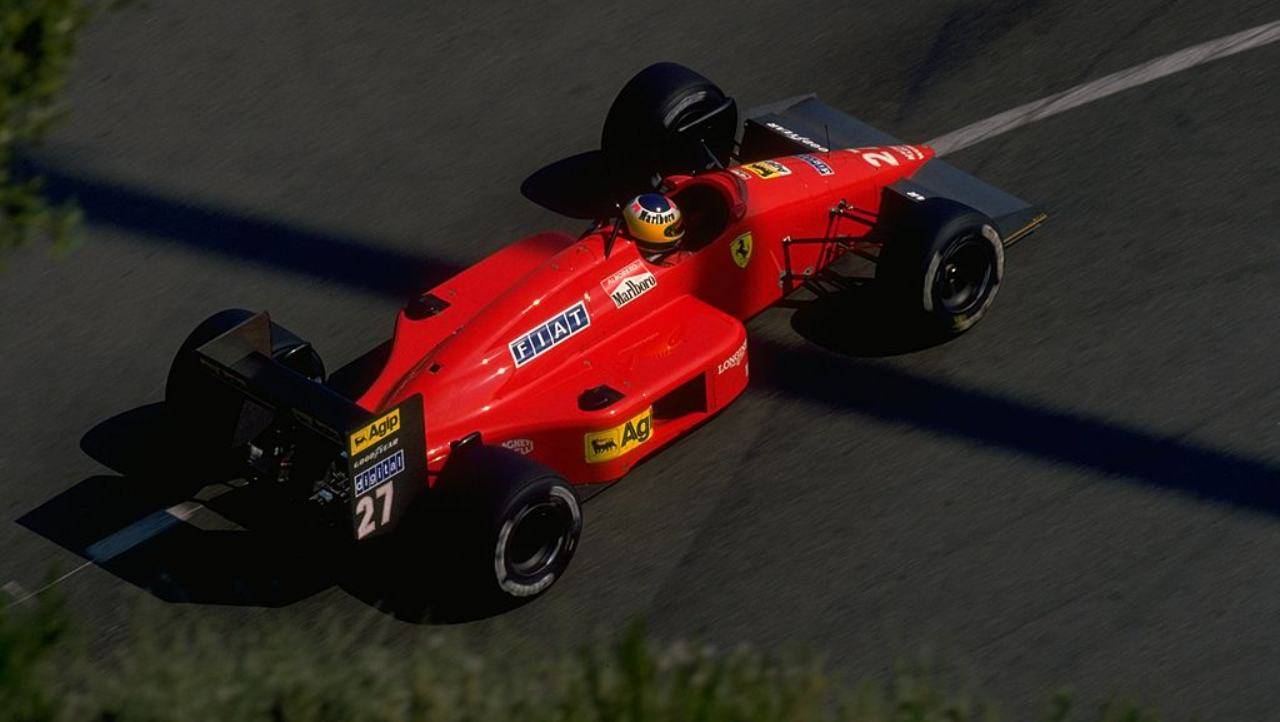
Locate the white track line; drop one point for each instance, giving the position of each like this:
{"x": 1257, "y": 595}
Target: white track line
{"x": 1109, "y": 85}
{"x": 48, "y": 586}
{"x": 110, "y": 547}
{"x": 14, "y": 590}
{"x": 131, "y": 536}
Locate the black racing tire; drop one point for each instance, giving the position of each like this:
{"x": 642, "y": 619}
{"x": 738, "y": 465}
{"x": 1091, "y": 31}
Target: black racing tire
{"x": 639, "y": 142}
{"x": 203, "y": 412}
{"x": 521, "y": 521}
{"x": 943, "y": 269}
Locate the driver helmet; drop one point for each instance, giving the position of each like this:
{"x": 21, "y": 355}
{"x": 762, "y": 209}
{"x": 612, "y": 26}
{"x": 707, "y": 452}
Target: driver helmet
{"x": 654, "y": 223}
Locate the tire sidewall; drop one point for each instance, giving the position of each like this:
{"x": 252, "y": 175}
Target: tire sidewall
{"x": 637, "y": 140}
{"x": 680, "y": 104}
{"x": 203, "y": 414}
{"x": 960, "y": 322}
{"x": 504, "y": 515}
{"x": 184, "y": 375}
{"x": 911, "y": 260}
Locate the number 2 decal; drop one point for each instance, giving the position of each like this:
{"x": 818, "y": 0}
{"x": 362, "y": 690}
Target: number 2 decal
{"x": 879, "y": 157}
{"x": 366, "y": 508}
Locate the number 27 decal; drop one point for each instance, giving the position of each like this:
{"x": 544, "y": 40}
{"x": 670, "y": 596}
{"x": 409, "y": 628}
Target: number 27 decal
{"x": 366, "y": 509}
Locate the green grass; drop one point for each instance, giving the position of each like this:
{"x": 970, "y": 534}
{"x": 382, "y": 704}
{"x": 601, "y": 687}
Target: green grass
{"x": 173, "y": 669}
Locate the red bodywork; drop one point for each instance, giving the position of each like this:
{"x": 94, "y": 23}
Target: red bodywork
{"x": 673, "y": 344}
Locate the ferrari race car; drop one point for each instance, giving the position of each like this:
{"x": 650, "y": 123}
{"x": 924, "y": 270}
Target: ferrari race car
{"x": 564, "y": 360}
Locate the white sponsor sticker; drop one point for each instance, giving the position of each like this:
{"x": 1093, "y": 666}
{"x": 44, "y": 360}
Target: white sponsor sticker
{"x": 734, "y": 360}
{"x": 789, "y": 133}
{"x": 909, "y": 152}
{"x": 524, "y": 447}
{"x": 817, "y": 163}
{"x": 629, "y": 283}
{"x": 549, "y": 334}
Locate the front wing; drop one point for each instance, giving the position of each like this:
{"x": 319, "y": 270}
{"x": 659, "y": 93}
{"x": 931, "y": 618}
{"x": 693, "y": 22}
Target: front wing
{"x": 806, "y": 125}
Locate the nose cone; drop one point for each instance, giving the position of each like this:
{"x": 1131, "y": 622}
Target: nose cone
{"x": 894, "y": 156}
{"x": 884, "y": 163}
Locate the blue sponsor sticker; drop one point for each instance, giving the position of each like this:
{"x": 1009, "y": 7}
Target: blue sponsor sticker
{"x": 549, "y": 333}
{"x": 818, "y": 164}
{"x": 380, "y": 473}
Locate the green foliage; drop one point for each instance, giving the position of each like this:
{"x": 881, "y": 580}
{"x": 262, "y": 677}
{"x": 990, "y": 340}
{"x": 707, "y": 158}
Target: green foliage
{"x": 177, "y": 670}
{"x": 37, "y": 47}
{"x": 28, "y": 642}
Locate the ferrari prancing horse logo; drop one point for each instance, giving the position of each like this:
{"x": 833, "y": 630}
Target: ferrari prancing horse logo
{"x": 741, "y": 249}
{"x": 767, "y": 169}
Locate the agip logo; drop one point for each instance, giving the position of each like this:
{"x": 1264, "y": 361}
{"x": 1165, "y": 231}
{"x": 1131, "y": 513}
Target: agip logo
{"x": 611, "y": 443}
{"x": 380, "y": 428}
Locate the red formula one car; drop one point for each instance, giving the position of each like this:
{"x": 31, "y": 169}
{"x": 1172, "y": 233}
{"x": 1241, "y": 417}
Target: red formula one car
{"x": 563, "y": 360}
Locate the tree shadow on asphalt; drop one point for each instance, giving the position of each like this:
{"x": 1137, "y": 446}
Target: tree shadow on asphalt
{"x": 355, "y": 262}
{"x": 882, "y": 391}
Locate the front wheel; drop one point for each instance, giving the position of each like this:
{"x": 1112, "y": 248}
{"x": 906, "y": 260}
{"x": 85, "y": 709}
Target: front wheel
{"x": 944, "y": 268}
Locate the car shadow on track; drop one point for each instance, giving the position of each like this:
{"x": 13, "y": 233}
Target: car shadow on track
{"x": 162, "y": 526}
{"x": 125, "y": 525}
{"x": 577, "y": 187}
{"x": 848, "y": 318}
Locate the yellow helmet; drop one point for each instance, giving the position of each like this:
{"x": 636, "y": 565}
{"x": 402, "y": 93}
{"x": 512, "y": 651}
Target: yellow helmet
{"x": 654, "y": 223}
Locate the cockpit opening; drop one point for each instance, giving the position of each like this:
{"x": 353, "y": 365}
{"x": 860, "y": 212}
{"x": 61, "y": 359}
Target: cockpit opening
{"x": 706, "y": 213}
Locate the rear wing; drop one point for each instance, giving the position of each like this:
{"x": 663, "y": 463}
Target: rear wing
{"x": 382, "y": 457}
{"x": 806, "y": 125}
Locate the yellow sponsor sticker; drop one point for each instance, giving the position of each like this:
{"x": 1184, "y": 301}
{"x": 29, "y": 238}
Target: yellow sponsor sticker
{"x": 622, "y": 439}
{"x": 768, "y": 169}
{"x": 380, "y": 428}
{"x": 741, "y": 249}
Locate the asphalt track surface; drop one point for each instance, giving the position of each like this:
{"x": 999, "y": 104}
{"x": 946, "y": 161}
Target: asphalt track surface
{"x": 1081, "y": 492}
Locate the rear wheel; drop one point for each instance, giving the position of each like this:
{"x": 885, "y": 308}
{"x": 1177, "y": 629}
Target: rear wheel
{"x": 664, "y": 121}
{"x": 944, "y": 268}
{"x": 524, "y": 520}
{"x": 202, "y": 411}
